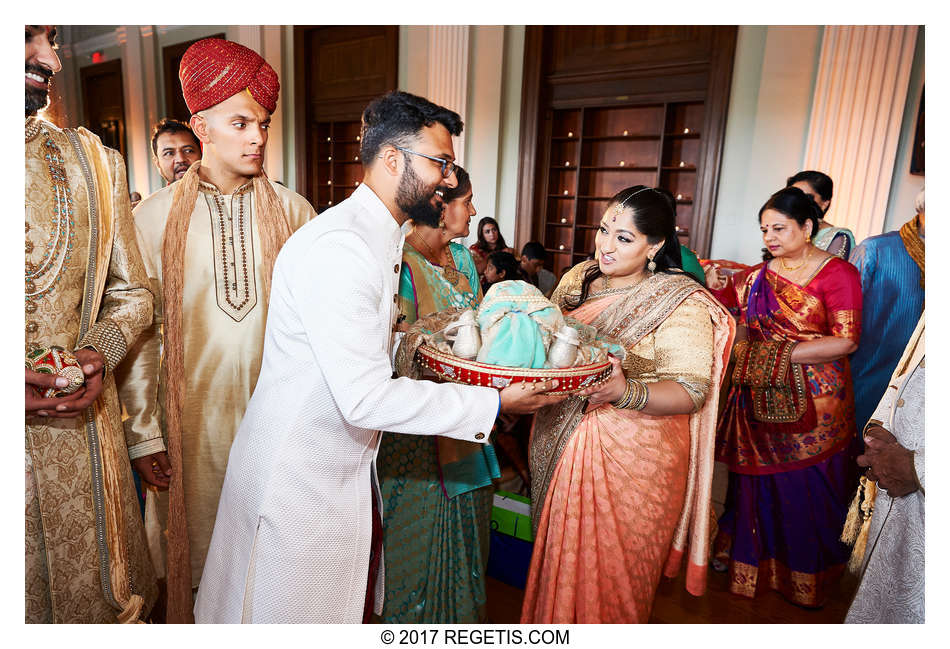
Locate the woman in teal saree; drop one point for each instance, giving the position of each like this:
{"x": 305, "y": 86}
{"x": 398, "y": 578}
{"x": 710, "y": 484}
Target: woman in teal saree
{"x": 437, "y": 492}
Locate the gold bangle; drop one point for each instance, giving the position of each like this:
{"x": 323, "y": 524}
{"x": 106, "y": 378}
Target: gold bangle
{"x": 644, "y": 395}
{"x": 624, "y": 400}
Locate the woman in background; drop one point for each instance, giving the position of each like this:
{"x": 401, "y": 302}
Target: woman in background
{"x": 787, "y": 428}
{"x": 489, "y": 240}
{"x": 437, "y": 492}
{"x": 820, "y": 187}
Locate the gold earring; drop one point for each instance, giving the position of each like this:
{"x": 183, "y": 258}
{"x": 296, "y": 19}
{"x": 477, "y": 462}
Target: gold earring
{"x": 651, "y": 266}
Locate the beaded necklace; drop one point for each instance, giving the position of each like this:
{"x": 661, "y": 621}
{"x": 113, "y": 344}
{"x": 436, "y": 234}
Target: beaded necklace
{"x": 59, "y": 245}
{"x": 228, "y": 284}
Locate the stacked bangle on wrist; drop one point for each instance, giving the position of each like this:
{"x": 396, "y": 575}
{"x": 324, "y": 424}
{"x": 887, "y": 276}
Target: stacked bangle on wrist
{"x": 634, "y": 397}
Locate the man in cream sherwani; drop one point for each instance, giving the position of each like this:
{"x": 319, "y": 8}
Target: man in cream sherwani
{"x": 297, "y": 526}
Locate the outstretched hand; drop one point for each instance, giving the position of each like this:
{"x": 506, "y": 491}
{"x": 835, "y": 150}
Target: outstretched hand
{"x": 526, "y": 398}
{"x": 715, "y": 278}
{"x": 612, "y": 389}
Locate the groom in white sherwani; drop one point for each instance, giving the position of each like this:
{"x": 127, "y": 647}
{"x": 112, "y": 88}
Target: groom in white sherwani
{"x": 297, "y": 526}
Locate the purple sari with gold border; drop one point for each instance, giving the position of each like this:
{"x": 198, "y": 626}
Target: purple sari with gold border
{"x": 790, "y": 481}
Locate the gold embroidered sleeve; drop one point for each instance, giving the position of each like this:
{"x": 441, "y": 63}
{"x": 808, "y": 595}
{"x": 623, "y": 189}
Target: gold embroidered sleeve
{"x": 106, "y": 338}
{"x": 126, "y": 308}
{"x": 846, "y": 324}
{"x": 684, "y": 349}
{"x": 138, "y": 377}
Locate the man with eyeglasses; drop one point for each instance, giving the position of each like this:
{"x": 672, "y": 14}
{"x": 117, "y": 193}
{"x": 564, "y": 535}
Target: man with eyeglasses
{"x": 298, "y": 534}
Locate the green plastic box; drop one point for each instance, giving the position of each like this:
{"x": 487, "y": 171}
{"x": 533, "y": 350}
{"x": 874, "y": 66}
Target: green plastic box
{"x": 511, "y": 515}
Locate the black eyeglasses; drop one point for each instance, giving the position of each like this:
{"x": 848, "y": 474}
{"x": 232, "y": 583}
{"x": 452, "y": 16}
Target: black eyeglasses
{"x": 447, "y": 167}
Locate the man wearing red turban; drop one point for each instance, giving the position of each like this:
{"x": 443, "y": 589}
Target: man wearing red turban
{"x": 209, "y": 242}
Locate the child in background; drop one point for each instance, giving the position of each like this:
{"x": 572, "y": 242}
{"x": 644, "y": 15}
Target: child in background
{"x": 500, "y": 267}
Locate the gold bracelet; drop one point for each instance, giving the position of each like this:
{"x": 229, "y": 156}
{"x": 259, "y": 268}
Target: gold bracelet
{"x": 644, "y": 395}
{"x": 625, "y": 399}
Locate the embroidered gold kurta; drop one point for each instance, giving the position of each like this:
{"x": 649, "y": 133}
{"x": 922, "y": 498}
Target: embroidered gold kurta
{"x": 84, "y": 535}
{"x": 224, "y": 313}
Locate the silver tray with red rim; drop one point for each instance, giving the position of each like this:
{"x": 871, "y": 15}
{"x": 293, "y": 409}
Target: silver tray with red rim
{"x": 458, "y": 370}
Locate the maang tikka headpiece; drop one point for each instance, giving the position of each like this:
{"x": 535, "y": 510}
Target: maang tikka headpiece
{"x": 619, "y": 207}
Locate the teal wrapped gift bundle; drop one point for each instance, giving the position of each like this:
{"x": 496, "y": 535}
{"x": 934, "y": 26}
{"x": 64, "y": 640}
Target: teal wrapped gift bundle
{"x": 517, "y": 324}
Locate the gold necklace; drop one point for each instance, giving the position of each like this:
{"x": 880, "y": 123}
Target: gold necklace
{"x": 619, "y": 288}
{"x": 449, "y": 270}
{"x": 59, "y": 247}
{"x": 787, "y": 269}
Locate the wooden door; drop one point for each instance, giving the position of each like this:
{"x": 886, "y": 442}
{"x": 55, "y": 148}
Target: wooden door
{"x": 338, "y": 71}
{"x": 103, "y": 102}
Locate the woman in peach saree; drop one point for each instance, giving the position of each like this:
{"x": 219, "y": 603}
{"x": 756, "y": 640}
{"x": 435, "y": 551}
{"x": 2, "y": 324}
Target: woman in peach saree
{"x": 621, "y": 474}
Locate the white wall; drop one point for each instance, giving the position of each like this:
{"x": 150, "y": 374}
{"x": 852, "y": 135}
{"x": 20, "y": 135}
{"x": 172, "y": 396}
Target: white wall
{"x": 769, "y": 107}
{"x": 493, "y": 115}
{"x": 766, "y": 127}
{"x": 904, "y": 185}
{"x": 506, "y": 200}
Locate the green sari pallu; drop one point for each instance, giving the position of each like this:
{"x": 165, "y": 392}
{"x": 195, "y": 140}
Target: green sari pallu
{"x": 437, "y": 492}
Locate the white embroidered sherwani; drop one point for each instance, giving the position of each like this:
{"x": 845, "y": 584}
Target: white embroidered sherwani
{"x": 223, "y": 333}
{"x": 892, "y": 585}
{"x": 292, "y": 538}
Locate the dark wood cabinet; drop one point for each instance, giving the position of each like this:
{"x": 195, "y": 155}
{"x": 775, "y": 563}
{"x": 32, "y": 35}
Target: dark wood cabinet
{"x": 615, "y": 107}
{"x": 337, "y": 169}
{"x": 339, "y": 70}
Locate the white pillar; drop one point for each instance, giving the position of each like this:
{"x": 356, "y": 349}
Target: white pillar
{"x": 447, "y": 83}
{"x": 860, "y": 92}
{"x": 68, "y": 80}
{"x": 150, "y": 75}
{"x": 483, "y": 143}
{"x": 266, "y": 41}
{"x": 137, "y": 157}
{"x": 271, "y": 51}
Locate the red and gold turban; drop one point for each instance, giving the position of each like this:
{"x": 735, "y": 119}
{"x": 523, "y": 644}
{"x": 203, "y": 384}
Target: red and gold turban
{"x": 213, "y": 70}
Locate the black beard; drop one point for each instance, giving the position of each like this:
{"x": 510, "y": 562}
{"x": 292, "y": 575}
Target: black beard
{"x": 418, "y": 204}
{"x": 37, "y": 98}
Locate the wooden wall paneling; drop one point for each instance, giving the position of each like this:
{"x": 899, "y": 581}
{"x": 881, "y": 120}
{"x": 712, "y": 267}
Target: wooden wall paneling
{"x": 917, "y": 155}
{"x": 581, "y": 48}
{"x": 617, "y": 75}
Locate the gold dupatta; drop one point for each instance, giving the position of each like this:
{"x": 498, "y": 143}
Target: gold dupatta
{"x": 107, "y": 452}
{"x": 910, "y": 235}
{"x": 857, "y": 525}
